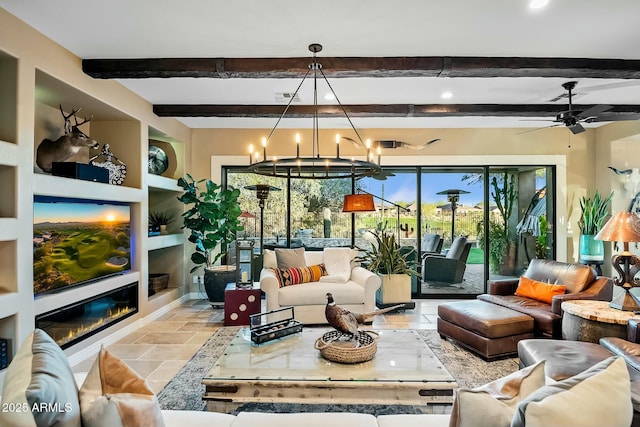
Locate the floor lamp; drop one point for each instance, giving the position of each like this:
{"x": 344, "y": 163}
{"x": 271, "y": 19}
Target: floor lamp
{"x": 453, "y": 196}
{"x": 262, "y": 193}
{"x": 362, "y": 201}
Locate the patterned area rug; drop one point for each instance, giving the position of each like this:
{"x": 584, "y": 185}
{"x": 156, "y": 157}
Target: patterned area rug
{"x": 184, "y": 391}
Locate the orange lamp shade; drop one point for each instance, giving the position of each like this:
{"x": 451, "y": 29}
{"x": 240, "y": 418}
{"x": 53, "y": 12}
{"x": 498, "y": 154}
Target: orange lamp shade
{"x": 358, "y": 203}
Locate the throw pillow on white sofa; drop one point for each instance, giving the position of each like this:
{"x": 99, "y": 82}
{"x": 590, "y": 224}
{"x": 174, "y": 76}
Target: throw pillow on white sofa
{"x": 337, "y": 261}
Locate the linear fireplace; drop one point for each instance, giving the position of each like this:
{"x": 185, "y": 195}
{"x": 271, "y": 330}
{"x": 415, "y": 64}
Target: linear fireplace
{"x": 75, "y": 322}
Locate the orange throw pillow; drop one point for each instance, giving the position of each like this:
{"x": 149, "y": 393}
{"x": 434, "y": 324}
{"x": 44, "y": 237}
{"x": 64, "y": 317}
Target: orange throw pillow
{"x": 540, "y": 291}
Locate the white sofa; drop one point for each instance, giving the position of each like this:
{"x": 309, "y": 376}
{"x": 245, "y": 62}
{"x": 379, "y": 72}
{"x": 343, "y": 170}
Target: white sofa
{"x": 357, "y": 294}
{"x": 311, "y": 419}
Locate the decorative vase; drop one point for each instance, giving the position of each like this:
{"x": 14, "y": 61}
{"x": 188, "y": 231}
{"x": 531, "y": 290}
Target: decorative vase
{"x": 216, "y": 280}
{"x": 591, "y": 250}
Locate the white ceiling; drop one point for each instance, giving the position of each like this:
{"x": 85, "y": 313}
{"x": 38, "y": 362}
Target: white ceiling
{"x": 284, "y": 28}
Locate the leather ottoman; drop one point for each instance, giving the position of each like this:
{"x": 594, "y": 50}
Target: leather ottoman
{"x": 488, "y": 329}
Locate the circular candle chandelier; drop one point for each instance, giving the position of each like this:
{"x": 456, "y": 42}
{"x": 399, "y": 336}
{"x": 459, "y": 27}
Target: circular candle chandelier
{"x": 315, "y": 166}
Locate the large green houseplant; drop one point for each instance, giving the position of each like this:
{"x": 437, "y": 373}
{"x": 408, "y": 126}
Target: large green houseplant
{"x": 213, "y": 219}
{"x": 391, "y": 262}
{"x": 593, "y": 211}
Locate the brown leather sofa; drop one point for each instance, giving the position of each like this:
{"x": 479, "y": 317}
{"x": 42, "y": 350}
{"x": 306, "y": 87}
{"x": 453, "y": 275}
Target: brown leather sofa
{"x": 567, "y": 358}
{"x": 581, "y": 282}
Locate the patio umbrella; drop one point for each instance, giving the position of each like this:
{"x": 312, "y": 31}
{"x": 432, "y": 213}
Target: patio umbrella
{"x": 530, "y": 222}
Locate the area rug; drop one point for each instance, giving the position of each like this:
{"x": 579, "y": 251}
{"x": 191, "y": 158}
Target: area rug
{"x": 184, "y": 391}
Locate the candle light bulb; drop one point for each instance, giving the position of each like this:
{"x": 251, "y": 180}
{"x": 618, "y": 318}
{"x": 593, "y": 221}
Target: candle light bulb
{"x": 264, "y": 149}
{"x": 379, "y": 152}
{"x": 250, "y": 153}
{"x": 297, "y": 145}
{"x": 368, "y": 143}
{"x": 337, "y": 146}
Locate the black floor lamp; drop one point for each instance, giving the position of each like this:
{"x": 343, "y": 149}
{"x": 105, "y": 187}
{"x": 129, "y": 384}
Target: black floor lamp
{"x": 262, "y": 193}
{"x": 453, "y": 196}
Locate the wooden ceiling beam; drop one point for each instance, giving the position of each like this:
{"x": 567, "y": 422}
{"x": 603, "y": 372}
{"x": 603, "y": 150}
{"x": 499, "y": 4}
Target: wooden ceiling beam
{"x": 341, "y": 67}
{"x": 395, "y": 110}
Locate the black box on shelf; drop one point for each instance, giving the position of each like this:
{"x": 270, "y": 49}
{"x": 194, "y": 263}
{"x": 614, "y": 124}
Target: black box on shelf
{"x": 4, "y": 353}
{"x": 80, "y": 171}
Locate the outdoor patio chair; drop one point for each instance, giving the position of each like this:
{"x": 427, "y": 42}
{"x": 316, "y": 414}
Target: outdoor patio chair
{"x": 449, "y": 268}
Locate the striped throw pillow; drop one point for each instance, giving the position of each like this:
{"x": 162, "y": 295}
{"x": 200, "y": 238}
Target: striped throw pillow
{"x": 297, "y": 275}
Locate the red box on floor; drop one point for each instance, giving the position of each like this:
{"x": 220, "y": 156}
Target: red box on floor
{"x": 239, "y": 304}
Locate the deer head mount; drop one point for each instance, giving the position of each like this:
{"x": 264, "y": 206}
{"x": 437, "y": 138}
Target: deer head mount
{"x": 67, "y": 145}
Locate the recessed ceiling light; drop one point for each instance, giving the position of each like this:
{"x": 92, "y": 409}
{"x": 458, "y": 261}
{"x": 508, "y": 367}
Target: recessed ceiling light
{"x": 329, "y": 96}
{"x": 446, "y": 95}
{"x": 537, "y": 4}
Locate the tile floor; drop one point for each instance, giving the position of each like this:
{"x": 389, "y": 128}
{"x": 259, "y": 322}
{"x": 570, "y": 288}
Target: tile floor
{"x": 158, "y": 350}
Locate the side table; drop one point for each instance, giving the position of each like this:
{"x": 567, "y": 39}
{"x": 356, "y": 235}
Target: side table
{"x": 588, "y": 320}
{"x": 239, "y": 304}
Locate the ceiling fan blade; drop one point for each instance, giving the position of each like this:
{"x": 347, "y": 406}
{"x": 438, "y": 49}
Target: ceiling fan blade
{"x": 576, "y": 128}
{"x": 389, "y": 143}
{"x": 382, "y": 176}
{"x": 354, "y": 142}
{"x": 607, "y": 86}
{"x": 419, "y": 146}
{"x": 613, "y": 118}
{"x": 593, "y": 111}
{"x": 535, "y": 129}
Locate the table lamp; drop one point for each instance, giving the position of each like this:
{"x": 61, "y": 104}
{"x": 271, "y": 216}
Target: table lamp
{"x": 624, "y": 227}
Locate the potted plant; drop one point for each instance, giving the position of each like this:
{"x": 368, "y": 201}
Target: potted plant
{"x": 158, "y": 221}
{"x": 213, "y": 218}
{"x": 391, "y": 262}
{"x": 593, "y": 212}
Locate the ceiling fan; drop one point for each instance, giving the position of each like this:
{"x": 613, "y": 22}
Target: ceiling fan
{"x": 392, "y": 143}
{"x": 572, "y": 119}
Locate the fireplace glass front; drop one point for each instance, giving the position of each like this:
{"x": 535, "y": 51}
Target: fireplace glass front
{"x": 73, "y": 323}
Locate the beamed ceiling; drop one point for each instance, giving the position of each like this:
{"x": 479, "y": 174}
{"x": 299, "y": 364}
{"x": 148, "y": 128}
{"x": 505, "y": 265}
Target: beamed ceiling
{"x": 233, "y": 65}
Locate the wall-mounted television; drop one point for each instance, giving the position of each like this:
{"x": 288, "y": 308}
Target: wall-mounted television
{"x": 78, "y": 241}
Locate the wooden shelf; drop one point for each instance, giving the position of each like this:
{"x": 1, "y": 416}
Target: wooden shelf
{"x": 48, "y": 185}
{"x": 52, "y": 301}
{"x": 162, "y": 183}
{"x": 8, "y": 229}
{"x": 9, "y": 304}
{"x": 165, "y": 241}
{"x": 8, "y": 153}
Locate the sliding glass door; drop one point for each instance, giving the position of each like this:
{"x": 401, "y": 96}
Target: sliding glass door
{"x": 486, "y": 222}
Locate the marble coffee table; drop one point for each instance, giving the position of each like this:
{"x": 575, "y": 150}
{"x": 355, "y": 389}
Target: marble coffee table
{"x": 404, "y": 371}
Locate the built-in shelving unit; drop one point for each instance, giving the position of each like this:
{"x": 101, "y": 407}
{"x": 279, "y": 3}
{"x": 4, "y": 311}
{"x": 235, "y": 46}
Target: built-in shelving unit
{"x": 163, "y": 191}
{"x": 9, "y": 224}
{"x": 36, "y": 79}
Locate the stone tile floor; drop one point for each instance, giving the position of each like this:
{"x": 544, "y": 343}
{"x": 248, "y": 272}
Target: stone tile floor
{"x": 158, "y": 350}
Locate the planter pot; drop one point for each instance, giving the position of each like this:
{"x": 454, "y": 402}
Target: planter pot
{"x": 590, "y": 249}
{"x": 216, "y": 280}
{"x": 395, "y": 289}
